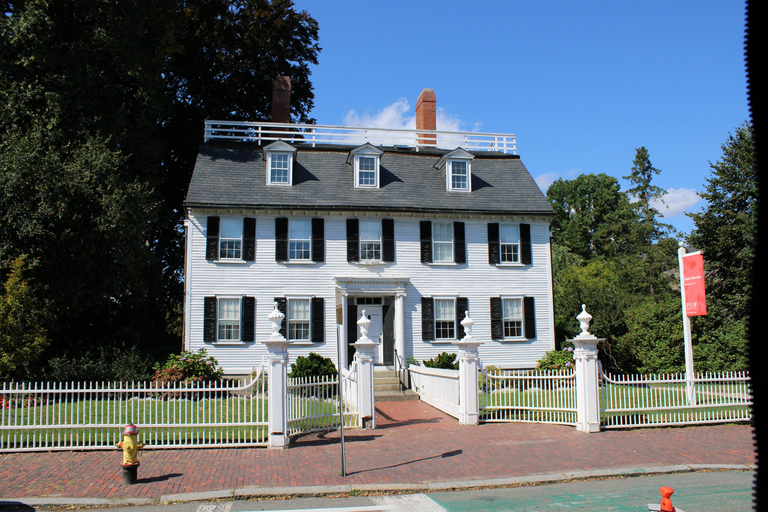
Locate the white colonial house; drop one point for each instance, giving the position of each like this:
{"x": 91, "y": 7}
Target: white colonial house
{"x": 414, "y": 227}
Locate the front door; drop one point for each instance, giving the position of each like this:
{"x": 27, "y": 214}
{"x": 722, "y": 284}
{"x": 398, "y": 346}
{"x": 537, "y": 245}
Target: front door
{"x": 388, "y": 335}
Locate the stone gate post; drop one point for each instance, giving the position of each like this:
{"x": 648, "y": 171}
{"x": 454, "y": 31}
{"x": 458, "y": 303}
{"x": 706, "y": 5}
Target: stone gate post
{"x": 278, "y": 383}
{"x": 587, "y": 392}
{"x": 365, "y": 349}
{"x": 469, "y": 407}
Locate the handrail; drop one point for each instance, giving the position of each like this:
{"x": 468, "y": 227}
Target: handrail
{"x": 401, "y": 373}
{"x": 313, "y": 134}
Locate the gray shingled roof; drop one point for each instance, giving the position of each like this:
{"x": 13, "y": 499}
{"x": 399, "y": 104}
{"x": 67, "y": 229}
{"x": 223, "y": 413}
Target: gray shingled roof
{"x": 234, "y": 175}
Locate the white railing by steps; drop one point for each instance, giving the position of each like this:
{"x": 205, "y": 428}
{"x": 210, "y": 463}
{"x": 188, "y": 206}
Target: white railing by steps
{"x": 313, "y": 134}
{"x": 437, "y": 387}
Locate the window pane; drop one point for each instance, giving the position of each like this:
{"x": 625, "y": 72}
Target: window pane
{"x": 299, "y": 232}
{"x": 230, "y": 235}
{"x": 298, "y": 319}
{"x": 445, "y": 319}
{"x": 509, "y": 243}
{"x": 279, "y": 168}
{"x": 230, "y": 228}
{"x": 229, "y": 319}
{"x": 513, "y": 318}
{"x": 370, "y": 230}
{"x": 459, "y": 178}
{"x": 443, "y": 231}
{"x": 367, "y": 163}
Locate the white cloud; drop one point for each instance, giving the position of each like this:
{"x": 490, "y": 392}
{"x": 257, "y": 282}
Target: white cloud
{"x": 545, "y": 180}
{"x": 397, "y": 116}
{"x": 677, "y": 201}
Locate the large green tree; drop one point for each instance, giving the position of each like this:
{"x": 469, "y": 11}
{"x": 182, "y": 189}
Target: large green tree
{"x": 102, "y": 104}
{"x": 592, "y": 217}
{"x": 725, "y": 231}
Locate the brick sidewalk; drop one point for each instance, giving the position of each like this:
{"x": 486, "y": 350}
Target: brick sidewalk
{"x": 414, "y": 443}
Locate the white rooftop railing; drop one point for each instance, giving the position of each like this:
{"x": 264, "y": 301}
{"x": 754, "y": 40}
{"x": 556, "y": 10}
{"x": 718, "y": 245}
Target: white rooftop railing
{"x": 313, "y": 134}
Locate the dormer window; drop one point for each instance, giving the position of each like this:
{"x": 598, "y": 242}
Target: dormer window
{"x": 366, "y": 164}
{"x": 458, "y": 170}
{"x": 280, "y": 157}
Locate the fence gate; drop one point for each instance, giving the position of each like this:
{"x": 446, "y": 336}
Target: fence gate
{"x": 540, "y": 396}
{"x": 314, "y": 402}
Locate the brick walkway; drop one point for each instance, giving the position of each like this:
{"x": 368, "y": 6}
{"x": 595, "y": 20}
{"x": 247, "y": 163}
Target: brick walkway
{"x": 414, "y": 443}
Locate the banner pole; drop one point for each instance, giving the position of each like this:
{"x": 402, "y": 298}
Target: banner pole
{"x": 687, "y": 343}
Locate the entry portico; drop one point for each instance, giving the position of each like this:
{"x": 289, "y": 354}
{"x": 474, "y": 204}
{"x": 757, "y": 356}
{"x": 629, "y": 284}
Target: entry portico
{"x": 390, "y": 292}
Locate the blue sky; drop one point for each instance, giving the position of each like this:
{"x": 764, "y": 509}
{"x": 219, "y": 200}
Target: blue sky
{"x": 581, "y": 84}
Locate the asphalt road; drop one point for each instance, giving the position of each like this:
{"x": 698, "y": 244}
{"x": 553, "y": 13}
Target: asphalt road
{"x": 694, "y": 491}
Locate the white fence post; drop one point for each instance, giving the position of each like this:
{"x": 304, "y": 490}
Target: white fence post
{"x": 364, "y": 353}
{"x": 277, "y": 383}
{"x": 469, "y": 408}
{"x": 585, "y": 357}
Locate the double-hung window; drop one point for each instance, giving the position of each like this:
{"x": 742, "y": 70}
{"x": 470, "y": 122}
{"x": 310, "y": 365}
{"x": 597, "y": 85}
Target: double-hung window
{"x": 279, "y": 169}
{"x": 366, "y": 160}
{"x": 366, "y": 171}
{"x": 299, "y": 239}
{"x": 513, "y": 318}
{"x": 370, "y": 240}
{"x": 230, "y": 238}
{"x": 509, "y": 243}
{"x": 229, "y": 320}
{"x": 445, "y": 319}
{"x": 459, "y": 171}
{"x": 299, "y": 320}
{"x": 280, "y": 157}
{"x": 442, "y": 242}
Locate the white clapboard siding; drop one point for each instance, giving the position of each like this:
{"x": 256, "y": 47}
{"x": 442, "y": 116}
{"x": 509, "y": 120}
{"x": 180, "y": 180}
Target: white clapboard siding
{"x": 265, "y": 279}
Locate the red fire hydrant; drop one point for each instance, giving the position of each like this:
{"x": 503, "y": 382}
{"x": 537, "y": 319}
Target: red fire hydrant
{"x": 130, "y": 446}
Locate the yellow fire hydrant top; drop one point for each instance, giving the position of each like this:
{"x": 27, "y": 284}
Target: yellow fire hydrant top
{"x": 130, "y": 446}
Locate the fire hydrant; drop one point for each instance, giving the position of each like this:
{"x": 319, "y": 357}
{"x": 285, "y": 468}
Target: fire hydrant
{"x": 130, "y": 446}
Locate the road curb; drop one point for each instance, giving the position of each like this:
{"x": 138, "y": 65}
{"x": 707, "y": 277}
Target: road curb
{"x": 325, "y": 490}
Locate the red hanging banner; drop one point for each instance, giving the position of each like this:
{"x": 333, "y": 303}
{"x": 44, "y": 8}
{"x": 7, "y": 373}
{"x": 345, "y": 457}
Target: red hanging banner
{"x": 693, "y": 275}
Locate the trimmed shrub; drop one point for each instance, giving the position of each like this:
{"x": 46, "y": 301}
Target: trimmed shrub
{"x": 557, "y": 360}
{"x": 313, "y": 365}
{"x": 188, "y": 367}
{"x": 444, "y": 360}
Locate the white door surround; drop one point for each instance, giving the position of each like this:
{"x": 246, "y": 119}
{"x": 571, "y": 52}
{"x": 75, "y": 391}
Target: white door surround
{"x": 371, "y": 287}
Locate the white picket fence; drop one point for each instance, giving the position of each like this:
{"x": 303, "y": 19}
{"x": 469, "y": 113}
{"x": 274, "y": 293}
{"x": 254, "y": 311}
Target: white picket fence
{"x": 540, "y": 396}
{"x": 314, "y": 403}
{"x": 656, "y": 400}
{"x": 91, "y": 415}
{"x": 437, "y": 387}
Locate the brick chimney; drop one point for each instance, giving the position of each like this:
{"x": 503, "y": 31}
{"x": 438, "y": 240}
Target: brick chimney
{"x": 281, "y": 100}
{"x": 426, "y": 116}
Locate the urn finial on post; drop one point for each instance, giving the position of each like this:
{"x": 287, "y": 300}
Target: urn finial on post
{"x": 584, "y": 318}
{"x": 276, "y": 318}
{"x": 467, "y": 323}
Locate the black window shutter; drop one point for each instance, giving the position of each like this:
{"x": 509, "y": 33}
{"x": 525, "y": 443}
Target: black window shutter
{"x": 462, "y": 305}
{"x": 212, "y": 239}
{"x": 388, "y": 240}
{"x": 459, "y": 244}
{"x": 248, "y": 319}
{"x": 497, "y": 320}
{"x": 282, "y": 306}
{"x": 425, "y": 230}
{"x": 529, "y": 316}
{"x": 427, "y": 319}
{"x": 353, "y": 240}
{"x": 525, "y": 244}
{"x": 249, "y": 239}
{"x": 281, "y": 239}
{"x": 318, "y": 320}
{"x": 493, "y": 243}
{"x": 209, "y": 319}
{"x": 318, "y": 240}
